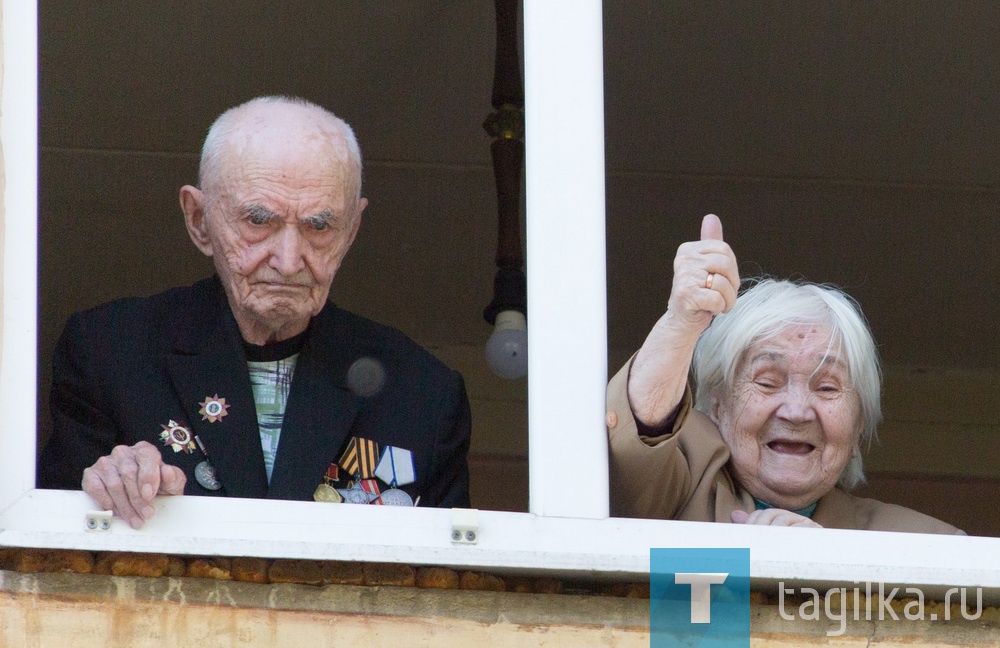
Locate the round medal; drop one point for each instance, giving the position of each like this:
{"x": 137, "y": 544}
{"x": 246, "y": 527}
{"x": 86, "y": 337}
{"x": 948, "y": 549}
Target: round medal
{"x": 180, "y": 435}
{"x": 327, "y": 493}
{"x": 204, "y": 473}
{"x": 396, "y": 497}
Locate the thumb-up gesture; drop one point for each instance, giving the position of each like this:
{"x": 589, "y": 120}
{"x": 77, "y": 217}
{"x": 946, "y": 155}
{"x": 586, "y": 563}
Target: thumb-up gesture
{"x": 706, "y": 282}
{"x": 706, "y": 279}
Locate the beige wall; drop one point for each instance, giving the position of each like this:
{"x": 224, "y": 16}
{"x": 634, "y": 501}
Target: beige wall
{"x": 84, "y": 610}
{"x": 840, "y": 141}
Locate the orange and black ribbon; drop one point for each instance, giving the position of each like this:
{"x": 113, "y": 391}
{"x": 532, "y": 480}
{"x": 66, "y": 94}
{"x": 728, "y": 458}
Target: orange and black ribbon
{"x": 360, "y": 457}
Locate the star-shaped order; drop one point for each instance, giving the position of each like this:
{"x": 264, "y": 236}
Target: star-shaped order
{"x": 213, "y": 408}
{"x": 177, "y": 436}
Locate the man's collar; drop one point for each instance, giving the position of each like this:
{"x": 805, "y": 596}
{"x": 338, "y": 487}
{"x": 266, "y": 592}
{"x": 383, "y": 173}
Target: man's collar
{"x": 276, "y": 350}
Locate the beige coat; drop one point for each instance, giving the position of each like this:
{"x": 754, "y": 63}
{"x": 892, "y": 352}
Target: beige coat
{"x": 684, "y": 475}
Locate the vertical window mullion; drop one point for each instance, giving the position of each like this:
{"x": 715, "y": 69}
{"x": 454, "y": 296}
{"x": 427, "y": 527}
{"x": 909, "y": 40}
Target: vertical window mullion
{"x": 565, "y": 242}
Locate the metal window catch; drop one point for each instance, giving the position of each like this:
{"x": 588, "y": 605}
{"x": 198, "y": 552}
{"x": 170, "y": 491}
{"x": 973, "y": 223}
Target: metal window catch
{"x": 464, "y": 526}
{"x": 99, "y": 521}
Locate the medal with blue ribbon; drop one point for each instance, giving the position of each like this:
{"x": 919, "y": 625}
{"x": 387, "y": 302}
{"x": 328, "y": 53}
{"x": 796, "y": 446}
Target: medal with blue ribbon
{"x": 396, "y": 468}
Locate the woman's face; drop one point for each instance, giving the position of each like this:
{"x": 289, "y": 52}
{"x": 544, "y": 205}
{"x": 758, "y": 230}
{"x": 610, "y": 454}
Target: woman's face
{"x": 792, "y": 422}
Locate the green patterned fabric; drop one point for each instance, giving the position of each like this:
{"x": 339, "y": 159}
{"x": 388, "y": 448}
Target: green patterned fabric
{"x": 271, "y": 382}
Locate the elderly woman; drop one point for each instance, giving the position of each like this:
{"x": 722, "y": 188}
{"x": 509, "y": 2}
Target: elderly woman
{"x": 787, "y": 392}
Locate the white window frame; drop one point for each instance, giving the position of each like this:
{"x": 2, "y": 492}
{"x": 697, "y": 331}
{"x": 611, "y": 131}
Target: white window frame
{"x": 568, "y": 531}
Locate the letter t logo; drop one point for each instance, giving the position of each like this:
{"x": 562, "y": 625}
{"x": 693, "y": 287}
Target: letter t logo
{"x": 701, "y": 592}
{"x": 685, "y": 608}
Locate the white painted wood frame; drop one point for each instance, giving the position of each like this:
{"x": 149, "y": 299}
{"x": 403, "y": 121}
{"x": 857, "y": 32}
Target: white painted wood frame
{"x": 568, "y": 532}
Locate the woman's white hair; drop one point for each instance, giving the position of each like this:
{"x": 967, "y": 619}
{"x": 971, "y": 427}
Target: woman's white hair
{"x": 225, "y": 130}
{"x": 764, "y": 311}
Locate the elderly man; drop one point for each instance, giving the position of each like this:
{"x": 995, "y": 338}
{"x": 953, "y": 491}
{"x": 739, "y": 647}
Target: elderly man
{"x": 250, "y": 383}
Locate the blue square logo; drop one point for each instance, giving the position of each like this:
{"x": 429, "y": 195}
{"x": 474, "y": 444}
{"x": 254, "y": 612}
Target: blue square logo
{"x": 699, "y": 597}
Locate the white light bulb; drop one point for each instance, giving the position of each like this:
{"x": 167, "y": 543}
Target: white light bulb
{"x": 507, "y": 348}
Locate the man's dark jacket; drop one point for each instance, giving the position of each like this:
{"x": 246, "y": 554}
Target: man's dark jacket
{"x": 125, "y": 369}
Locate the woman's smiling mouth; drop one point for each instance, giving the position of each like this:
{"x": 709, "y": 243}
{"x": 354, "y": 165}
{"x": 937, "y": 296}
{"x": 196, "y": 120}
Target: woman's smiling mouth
{"x": 791, "y": 447}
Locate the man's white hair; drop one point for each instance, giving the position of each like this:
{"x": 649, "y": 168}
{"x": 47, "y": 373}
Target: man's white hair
{"x": 225, "y": 131}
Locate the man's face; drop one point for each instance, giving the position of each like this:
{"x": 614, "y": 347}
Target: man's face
{"x": 278, "y": 224}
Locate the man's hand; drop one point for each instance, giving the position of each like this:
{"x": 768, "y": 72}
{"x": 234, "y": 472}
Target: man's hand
{"x": 772, "y": 517}
{"x": 127, "y": 480}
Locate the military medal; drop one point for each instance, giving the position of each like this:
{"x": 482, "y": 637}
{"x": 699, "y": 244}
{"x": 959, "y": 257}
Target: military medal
{"x": 204, "y": 472}
{"x": 213, "y": 408}
{"x": 325, "y": 492}
{"x": 370, "y": 486}
{"x": 396, "y": 497}
{"x": 356, "y": 495}
{"x": 177, "y": 436}
{"x": 396, "y": 468}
